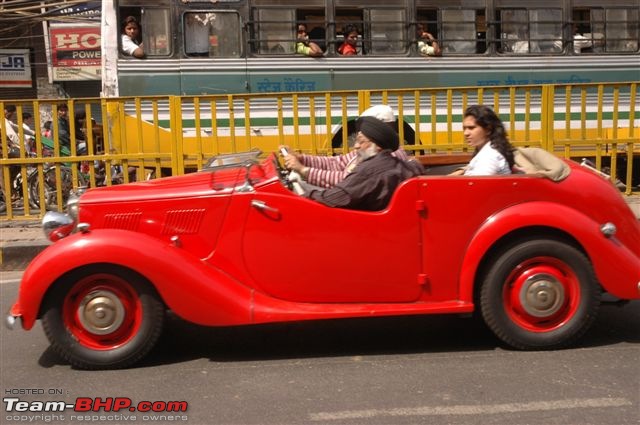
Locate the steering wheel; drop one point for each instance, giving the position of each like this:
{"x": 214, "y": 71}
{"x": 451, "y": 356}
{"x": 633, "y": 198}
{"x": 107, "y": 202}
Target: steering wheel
{"x": 283, "y": 171}
{"x": 290, "y": 178}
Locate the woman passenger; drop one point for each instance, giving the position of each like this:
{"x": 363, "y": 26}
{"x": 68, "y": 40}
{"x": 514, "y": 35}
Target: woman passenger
{"x": 349, "y": 47}
{"x": 131, "y": 44}
{"x": 304, "y": 46}
{"x": 483, "y": 130}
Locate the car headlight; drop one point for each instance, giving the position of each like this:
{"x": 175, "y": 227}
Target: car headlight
{"x": 57, "y": 225}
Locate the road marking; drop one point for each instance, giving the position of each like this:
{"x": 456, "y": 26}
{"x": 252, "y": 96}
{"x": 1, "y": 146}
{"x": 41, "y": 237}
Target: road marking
{"x": 473, "y": 409}
{"x": 2, "y": 281}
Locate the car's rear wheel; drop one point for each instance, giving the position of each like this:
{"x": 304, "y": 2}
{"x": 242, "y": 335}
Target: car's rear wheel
{"x": 103, "y": 318}
{"x": 540, "y": 294}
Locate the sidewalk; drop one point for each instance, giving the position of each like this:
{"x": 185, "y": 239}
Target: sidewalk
{"x": 634, "y": 203}
{"x": 20, "y": 240}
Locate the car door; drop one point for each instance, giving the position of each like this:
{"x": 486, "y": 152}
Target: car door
{"x": 299, "y": 250}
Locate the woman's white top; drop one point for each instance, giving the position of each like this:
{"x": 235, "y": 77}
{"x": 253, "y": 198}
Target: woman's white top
{"x": 128, "y": 45}
{"x": 486, "y": 162}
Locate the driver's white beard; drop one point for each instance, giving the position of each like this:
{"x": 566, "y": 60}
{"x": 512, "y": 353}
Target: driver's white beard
{"x": 368, "y": 152}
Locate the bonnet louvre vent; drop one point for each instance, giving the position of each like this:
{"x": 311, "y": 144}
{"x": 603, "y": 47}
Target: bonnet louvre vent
{"x": 125, "y": 221}
{"x": 183, "y": 222}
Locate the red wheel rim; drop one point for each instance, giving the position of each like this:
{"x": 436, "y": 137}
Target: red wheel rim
{"x": 102, "y": 312}
{"x": 541, "y": 294}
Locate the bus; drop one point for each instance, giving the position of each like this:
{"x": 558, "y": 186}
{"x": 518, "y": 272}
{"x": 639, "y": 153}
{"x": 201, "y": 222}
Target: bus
{"x": 248, "y": 46}
{"x": 242, "y": 84}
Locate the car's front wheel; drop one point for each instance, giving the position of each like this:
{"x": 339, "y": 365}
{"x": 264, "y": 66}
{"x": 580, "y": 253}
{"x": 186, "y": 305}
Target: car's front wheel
{"x": 540, "y": 294}
{"x": 102, "y": 318}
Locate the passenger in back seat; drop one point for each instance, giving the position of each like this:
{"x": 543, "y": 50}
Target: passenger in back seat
{"x": 493, "y": 152}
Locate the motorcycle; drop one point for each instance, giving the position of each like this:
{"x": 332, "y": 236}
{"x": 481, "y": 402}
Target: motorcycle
{"x": 15, "y": 190}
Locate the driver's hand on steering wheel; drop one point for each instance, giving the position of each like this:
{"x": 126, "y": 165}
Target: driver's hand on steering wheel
{"x": 293, "y": 163}
{"x": 291, "y": 152}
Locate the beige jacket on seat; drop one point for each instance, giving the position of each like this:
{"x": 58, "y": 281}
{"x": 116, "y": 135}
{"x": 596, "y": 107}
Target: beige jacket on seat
{"x": 540, "y": 162}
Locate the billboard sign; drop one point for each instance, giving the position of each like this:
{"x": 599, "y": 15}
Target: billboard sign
{"x": 75, "y": 51}
{"x": 15, "y": 68}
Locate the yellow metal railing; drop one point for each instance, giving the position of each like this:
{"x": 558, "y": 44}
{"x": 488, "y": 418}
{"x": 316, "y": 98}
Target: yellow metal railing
{"x": 171, "y": 135}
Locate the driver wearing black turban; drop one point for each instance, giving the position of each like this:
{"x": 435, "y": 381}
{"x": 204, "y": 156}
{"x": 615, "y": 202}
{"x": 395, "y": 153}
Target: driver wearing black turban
{"x": 371, "y": 184}
{"x": 378, "y": 132}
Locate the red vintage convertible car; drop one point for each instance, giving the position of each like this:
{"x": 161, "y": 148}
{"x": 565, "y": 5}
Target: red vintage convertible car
{"x": 532, "y": 255}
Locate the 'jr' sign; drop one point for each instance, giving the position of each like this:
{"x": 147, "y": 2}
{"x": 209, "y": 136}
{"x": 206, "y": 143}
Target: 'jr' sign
{"x": 15, "y": 68}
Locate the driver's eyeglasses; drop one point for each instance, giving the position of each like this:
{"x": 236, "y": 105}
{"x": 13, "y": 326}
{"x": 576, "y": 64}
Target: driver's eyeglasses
{"x": 301, "y": 31}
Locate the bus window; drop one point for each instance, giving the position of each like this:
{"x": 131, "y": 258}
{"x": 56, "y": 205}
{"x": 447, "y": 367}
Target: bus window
{"x": 545, "y": 30}
{"x": 458, "y": 31}
{"x": 514, "y": 31}
{"x": 314, "y": 19}
{"x": 382, "y": 29}
{"x": 156, "y": 32}
{"x": 386, "y": 29}
{"x": 525, "y": 31}
{"x": 349, "y": 16}
{"x": 274, "y": 31}
{"x": 601, "y": 30}
{"x": 621, "y": 33}
{"x": 426, "y": 20}
{"x": 212, "y": 34}
{"x": 481, "y": 32}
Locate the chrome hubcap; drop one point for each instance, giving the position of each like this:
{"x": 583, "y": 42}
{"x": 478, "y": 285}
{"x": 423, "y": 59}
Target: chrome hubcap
{"x": 101, "y": 312}
{"x": 542, "y": 295}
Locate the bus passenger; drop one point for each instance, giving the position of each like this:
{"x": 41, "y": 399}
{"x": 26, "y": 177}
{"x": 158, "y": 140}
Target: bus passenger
{"x": 373, "y": 181}
{"x": 29, "y": 133}
{"x": 318, "y": 35}
{"x": 196, "y": 35}
{"x": 131, "y": 44}
{"x": 64, "y": 132}
{"x": 327, "y": 171}
{"x": 349, "y": 47}
{"x": 427, "y": 43}
{"x": 493, "y": 153}
{"x": 11, "y": 131}
{"x": 47, "y": 129}
{"x": 518, "y": 42}
{"x": 580, "y": 41}
{"x": 304, "y": 46}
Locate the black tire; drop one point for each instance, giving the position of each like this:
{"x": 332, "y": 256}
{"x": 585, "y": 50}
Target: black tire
{"x": 102, "y": 318}
{"x": 540, "y": 294}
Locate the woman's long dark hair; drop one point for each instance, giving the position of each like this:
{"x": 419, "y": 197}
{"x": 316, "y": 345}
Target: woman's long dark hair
{"x": 487, "y": 119}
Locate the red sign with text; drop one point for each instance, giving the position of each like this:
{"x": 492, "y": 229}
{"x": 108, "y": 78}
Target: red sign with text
{"x": 75, "y": 52}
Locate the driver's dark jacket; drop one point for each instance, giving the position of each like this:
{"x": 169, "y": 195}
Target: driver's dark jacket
{"x": 371, "y": 184}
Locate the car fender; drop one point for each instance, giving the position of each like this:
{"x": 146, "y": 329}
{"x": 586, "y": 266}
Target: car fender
{"x": 616, "y": 267}
{"x": 190, "y": 287}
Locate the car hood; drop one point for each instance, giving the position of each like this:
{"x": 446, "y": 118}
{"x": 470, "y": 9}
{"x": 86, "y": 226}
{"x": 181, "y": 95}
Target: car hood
{"x": 189, "y": 185}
